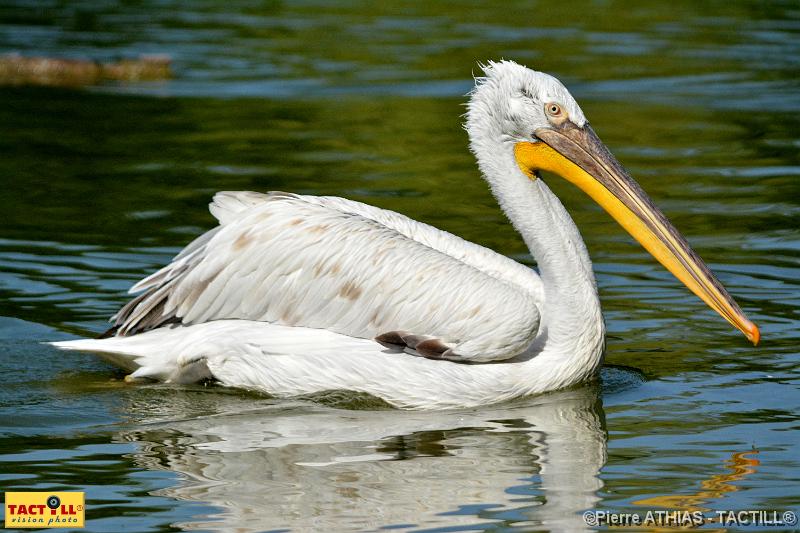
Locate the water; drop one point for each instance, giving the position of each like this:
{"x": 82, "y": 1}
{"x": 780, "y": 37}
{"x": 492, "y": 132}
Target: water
{"x": 104, "y": 184}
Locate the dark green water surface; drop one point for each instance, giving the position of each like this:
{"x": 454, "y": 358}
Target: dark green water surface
{"x": 101, "y": 185}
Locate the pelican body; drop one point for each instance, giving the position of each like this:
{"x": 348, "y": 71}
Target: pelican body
{"x": 294, "y": 294}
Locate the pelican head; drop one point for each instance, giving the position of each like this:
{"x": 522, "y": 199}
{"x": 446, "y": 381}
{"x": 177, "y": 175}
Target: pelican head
{"x": 531, "y": 117}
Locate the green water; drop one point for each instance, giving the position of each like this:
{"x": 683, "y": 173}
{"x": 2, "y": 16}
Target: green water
{"x": 100, "y": 186}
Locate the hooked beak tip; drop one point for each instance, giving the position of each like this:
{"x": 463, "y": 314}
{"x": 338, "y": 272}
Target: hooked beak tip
{"x": 752, "y": 333}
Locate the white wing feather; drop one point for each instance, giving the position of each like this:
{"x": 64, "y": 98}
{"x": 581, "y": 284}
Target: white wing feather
{"x": 335, "y": 264}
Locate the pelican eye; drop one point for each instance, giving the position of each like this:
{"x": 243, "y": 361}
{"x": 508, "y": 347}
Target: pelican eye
{"x": 553, "y": 109}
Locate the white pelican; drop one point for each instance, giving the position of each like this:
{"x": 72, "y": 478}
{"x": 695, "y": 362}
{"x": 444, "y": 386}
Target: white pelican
{"x": 295, "y": 294}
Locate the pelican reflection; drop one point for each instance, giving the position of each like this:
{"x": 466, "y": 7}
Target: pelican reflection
{"x": 304, "y": 466}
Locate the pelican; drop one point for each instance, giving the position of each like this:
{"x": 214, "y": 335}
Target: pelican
{"x": 293, "y": 294}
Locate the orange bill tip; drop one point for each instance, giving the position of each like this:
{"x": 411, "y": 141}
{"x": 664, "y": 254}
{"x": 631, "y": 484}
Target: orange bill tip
{"x": 752, "y": 333}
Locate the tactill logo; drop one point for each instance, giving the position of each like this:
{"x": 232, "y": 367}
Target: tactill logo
{"x": 44, "y": 509}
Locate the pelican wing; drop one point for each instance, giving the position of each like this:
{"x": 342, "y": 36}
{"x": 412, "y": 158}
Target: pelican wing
{"x": 343, "y": 266}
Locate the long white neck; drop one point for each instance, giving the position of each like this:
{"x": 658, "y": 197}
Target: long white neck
{"x": 572, "y": 329}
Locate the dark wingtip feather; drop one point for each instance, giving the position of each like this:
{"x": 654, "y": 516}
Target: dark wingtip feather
{"x": 431, "y": 348}
{"x": 110, "y": 332}
{"x": 392, "y": 339}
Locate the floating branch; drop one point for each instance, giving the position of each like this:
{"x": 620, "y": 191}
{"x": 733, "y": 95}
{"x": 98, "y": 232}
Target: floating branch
{"x": 19, "y": 70}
